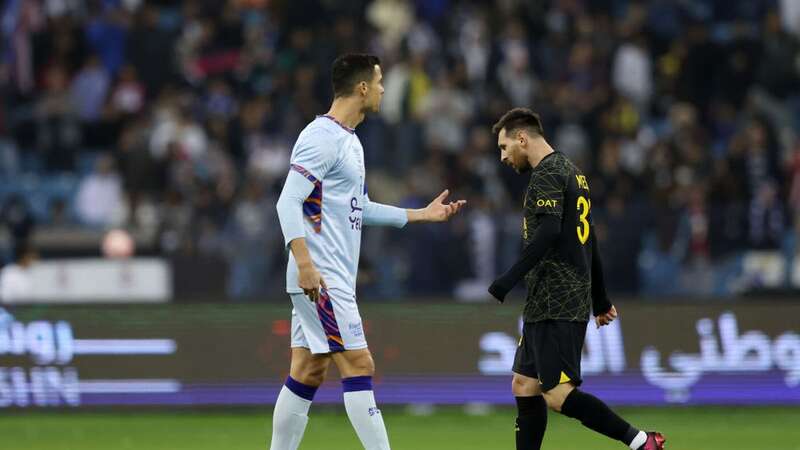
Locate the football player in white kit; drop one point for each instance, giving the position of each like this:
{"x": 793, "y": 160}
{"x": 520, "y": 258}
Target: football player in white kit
{"x": 322, "y": 207}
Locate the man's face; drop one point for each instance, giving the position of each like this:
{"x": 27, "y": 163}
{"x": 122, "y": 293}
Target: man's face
{"x": 511, "y": 150}
{"x": 374, "y": 93}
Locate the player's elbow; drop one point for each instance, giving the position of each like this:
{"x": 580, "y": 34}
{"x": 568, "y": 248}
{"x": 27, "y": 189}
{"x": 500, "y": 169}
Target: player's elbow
{"x": 281, "y": 207}
{"x": 284, "y": 214}
{"x": 286, "y": 203}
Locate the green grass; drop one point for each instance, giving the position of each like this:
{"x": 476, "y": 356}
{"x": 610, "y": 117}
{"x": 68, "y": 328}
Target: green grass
{"x": 686, "y": 429}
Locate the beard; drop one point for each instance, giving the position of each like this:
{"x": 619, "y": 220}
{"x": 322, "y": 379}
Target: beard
{"x": 524, "y": 168}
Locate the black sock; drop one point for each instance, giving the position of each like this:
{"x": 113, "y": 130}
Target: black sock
{"x": 531, "y": 422}
{"x": 597, "y": 416}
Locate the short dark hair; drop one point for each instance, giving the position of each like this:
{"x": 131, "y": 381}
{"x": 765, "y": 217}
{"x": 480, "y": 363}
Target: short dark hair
{"x": 518, "y": 118}
{"x": 351, "y": 69}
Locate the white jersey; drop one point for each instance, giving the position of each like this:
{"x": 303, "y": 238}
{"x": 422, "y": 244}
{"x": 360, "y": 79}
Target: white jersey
{"x": 330, "y": 155}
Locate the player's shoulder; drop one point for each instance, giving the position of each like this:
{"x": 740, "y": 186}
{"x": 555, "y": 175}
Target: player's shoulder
{"x": 318, "y": 136}
{"x": 557, "y": 161}
{"x": 554, "y": 165}
{"x": 317, "y": 129}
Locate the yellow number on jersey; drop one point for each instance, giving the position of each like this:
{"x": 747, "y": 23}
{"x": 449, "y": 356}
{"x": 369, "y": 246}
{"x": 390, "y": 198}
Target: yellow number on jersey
{"x": 583, "y": 214}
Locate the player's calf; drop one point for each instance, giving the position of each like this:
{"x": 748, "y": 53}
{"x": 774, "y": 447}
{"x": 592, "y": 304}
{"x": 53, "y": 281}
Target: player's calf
{"x": 290, "y": 416}
{"x": 597, "y": 416}
{"x": 357, "y": 368}
{"x": 531, "y": 421}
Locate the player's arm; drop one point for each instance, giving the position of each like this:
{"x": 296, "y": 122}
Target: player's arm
{"x": 542, "y": 240}
{"x": 545, "y": 201}
{"x": 290, "y": 214}
{"x": 309, "y": 278}
{"x": 602, "y": 309}
{"x": 384, "y": 215}
{"x": 312, "y": 158}
{"x": 437, "y": 210}
{"x": 387, "y": 215}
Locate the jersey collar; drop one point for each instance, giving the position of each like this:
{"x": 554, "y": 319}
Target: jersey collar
{"x": 346, "y": 128}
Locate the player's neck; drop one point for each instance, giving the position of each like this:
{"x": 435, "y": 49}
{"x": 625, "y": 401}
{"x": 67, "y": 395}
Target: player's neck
{"x": 347, "y": 111}
{"x": 538, "y": 152}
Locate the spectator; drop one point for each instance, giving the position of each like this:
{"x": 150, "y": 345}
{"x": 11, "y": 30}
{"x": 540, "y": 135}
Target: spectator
{"x": 99, "y": 198}
{"x": 633, "y": 73}
{"x": 128, "y": 95}
{"x": 178, "y": 136}
{"x": 151, "y": 49}
{"x": 446, "y": 110}
{"x": 89, "y": 90}
{"x": 767, "y": 218}
{"x": 58, "y": 130}
{"x": 393, "y": 18}
{"x": 106, "y": 34}
{"x": 252, "y": 243}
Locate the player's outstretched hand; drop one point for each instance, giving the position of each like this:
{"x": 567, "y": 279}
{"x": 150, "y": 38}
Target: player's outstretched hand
{"x": 310, "y": 281}
{"x": 439, "y": 211}
{"x": 607, "y": 318}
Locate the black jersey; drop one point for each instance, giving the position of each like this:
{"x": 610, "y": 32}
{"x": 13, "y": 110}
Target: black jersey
{"x": 559, "y": 286}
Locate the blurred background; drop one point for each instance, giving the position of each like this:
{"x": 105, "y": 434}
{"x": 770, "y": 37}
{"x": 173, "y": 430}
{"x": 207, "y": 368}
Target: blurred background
{"x": 143, "y": 145}
{"x": 175, "y": 121}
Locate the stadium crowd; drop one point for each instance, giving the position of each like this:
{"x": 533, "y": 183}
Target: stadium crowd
{"x": 179, "y": 118}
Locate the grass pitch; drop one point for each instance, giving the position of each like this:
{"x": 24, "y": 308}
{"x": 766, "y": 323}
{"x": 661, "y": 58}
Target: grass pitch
{"x": 686, "y": 429}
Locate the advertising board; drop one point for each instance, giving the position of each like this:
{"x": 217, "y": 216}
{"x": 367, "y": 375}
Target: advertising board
{"x": 91, "y": 355}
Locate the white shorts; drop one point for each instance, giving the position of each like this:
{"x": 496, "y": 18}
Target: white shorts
{"x": 333, "y": 324}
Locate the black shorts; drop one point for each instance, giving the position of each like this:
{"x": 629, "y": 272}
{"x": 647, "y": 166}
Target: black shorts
{"x": 551, "y": 351}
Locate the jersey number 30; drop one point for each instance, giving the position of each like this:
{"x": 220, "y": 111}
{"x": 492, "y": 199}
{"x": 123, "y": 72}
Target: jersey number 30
{"x": 583, "y": 217}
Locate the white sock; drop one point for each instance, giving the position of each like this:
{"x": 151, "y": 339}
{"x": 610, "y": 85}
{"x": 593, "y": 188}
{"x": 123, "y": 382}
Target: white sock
{"x": 365, "y": 416}
{"x": 639, "y": 440}
{"x": 289, "y": 420}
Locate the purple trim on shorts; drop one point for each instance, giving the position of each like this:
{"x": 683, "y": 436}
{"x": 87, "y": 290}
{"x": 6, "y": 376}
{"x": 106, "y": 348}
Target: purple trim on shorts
{"x": 329, "y": 323}
{"x": 301, "y": 390}
{"x": 354, "y": 384}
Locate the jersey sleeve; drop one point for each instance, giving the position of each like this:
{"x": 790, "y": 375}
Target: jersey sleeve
{"x": 314, "y": 154}
{"x": 546, "y": 191}
{"x": 384, "y": 215}
{"x": 295, "y": 191}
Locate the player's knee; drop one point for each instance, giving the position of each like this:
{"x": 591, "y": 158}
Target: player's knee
{"x": 311, "y": 376}
{"x": 364, "y": 365}
{"x": 311, "y": 373}
{"x": 356, "y": 363}
{"x": 525, "y": 386}
{"x": 318, "y": 376}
